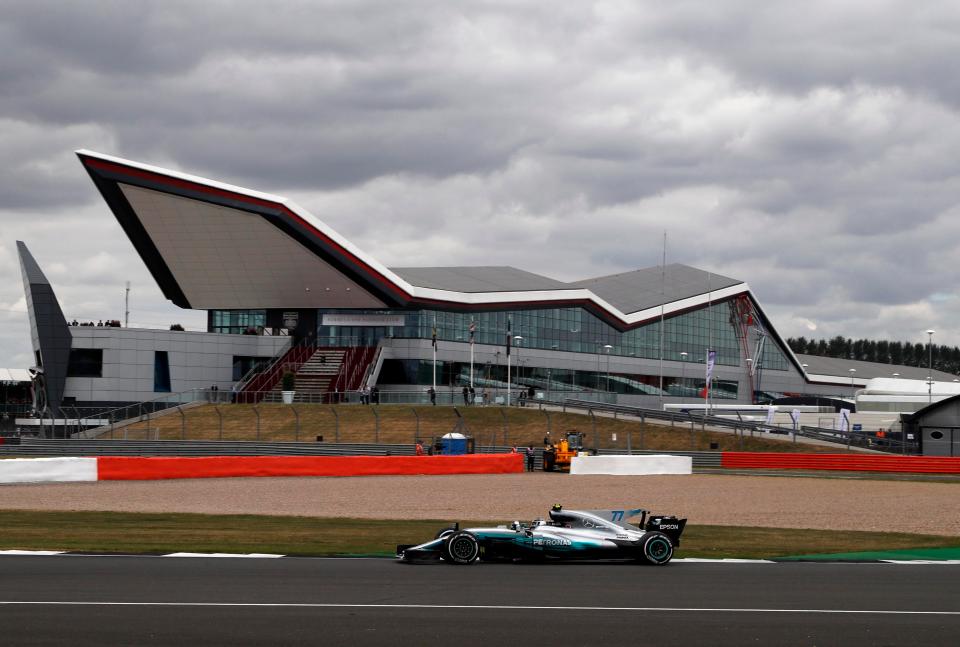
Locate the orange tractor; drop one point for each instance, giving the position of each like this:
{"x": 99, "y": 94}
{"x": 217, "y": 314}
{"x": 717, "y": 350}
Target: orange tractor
{"x": 557, "y": 457}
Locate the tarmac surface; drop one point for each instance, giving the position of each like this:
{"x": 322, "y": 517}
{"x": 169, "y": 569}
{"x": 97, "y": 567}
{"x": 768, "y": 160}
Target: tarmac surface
{"x": 96, "y": 600}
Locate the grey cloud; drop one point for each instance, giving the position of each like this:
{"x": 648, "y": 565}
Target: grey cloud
{"x": 807, "y": 149}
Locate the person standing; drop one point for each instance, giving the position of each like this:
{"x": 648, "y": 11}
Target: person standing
{"x": 466, "y": 396}
{"x": 530, "y": 457}
{"x": 433, "y": 396}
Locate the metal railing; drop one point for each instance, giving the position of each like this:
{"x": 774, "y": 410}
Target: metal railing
{"x": 892, "y": 442}
{"x": 49, "y": 447}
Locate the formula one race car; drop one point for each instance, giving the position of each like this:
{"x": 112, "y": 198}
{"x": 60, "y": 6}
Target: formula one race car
{"x": 568, "y": 535}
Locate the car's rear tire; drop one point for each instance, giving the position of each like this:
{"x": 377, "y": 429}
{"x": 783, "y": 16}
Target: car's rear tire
{"x": 657, "y": 549}
{"x": 461, "y": 548}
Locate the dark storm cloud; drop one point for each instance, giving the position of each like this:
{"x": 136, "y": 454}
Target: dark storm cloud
{"x": 805, "y": 148}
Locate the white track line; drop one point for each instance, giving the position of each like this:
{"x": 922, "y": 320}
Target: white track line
{"x": 921, "y": 562}
{"x": 31, "y": 552}
{"x": 243, "y": 555}
{"x": 476, "y": 607}
{"x": 699, "y": 560}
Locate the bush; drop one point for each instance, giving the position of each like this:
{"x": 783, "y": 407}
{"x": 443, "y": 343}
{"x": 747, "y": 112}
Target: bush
{"x": 289, "y": 381}
{"x": 176, "y": 327}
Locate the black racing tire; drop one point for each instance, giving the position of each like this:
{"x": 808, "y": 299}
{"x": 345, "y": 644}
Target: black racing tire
{"x": 657, "y": 549}
{"x": 461, "y": 548}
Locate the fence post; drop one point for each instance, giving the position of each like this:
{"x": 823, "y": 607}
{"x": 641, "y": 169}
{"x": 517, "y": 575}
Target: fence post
{"x": 593, "y": 422}
{"x": 220, "y": 416}
{"x": 643, "y": 428}
{"x": 336, "y": 429}
{"x": 416, "y": 436}
{"x": 296, "y": 437}
{"x": 504, "y": 416}
{"x": 183, "y": 423}
{"x": 549, "y": 422}
{"x": 692, "y": 426}
{"x": 257, "y": 412}
{"x": 376, "y": 429}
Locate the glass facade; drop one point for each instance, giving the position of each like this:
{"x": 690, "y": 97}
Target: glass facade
{"x": 491, "y": 375}
{"x": 685, "y": 339}
{"x": 568, "y": 329}
{"x": 237, "y": 322}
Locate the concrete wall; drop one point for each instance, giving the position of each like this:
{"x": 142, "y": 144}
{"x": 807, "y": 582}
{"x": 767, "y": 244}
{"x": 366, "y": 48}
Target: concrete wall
{"x": 197, "y": 361}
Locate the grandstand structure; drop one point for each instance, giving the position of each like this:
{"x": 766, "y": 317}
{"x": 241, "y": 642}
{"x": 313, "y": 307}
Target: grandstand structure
{"x": 284, "y": 292}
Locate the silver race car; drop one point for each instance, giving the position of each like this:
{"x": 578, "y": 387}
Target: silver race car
{"x": 567, "y": 535}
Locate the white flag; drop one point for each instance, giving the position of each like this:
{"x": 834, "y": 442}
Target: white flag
{"x": 795, "y": 416}
{"x": 844, "y": 420}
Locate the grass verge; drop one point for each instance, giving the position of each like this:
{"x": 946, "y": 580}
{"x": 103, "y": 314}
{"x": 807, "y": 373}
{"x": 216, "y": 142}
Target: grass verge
{"x": 120, "y": 532}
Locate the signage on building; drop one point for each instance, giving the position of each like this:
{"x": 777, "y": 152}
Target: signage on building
{"x": 290, "y": 319}
{"x": 363, "y": 320}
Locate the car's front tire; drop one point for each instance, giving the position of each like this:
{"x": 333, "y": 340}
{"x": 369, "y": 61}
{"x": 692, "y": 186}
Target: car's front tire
{"x": 461, "y": 548}
{"x": 657, "y": 549}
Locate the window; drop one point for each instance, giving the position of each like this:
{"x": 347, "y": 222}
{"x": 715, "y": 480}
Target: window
{"x": 85, "y": 362}
{"x": 161, "y": 372}
{"x": 237, "y": 322}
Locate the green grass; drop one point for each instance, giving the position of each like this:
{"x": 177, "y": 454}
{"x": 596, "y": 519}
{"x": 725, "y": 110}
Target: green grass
{"x": 120, "y": 532}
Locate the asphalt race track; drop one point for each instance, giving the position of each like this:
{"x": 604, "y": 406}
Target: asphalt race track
{"x": 93, "y": 600}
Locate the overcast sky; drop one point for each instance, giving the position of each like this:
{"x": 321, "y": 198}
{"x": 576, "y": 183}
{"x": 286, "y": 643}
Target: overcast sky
{"x": 807, "y": 148}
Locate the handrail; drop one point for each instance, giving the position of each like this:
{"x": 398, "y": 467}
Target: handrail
{"x": 292, "y": 359}
{"x": 371, "y": 366}
{"x": 825, "y": 435}
{"x": 254, "y": 370}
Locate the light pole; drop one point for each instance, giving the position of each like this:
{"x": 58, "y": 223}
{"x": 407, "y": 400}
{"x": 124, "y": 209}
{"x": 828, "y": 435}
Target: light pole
{"x": 930, "y": 365}
{"x": 683, "y": 371}
{"x": 597, "y": 381}
{"x": 750, "y": 374}
{"x": 607, "y": 347}
{"x": 518, "y": 339}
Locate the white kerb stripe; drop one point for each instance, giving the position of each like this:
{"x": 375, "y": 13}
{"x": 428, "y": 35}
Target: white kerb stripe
{"x": 47, "y": 470}
{"x": 477, "y": 607}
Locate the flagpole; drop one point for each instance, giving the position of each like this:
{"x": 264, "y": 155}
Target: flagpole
{"x": 473, "y": 328}
{"x": 508, "y": 361}
{"x": 706, "y": 391}
{"x": 434, "y": 353}
{"x": 663, "y": 281}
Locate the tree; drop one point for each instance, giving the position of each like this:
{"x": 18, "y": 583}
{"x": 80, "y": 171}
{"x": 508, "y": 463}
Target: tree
{"x": 837, "y": 347}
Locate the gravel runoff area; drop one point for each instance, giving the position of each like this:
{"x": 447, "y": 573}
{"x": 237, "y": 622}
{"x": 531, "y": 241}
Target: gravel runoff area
{"x": 782, "y": 502}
